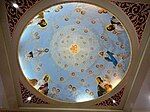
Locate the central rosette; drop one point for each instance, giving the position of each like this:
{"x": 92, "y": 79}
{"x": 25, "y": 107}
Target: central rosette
{"x": 74, "y": 49}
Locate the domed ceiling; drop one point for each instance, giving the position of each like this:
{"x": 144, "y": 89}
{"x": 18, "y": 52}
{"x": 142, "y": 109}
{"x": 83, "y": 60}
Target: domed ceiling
{"x": 74, "y": 52}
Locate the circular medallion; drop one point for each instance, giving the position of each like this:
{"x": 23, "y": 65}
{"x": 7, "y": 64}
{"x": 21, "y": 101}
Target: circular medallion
{"x": 74, "y": 52}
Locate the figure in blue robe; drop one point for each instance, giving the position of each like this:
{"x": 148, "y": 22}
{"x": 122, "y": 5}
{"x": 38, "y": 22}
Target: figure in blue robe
{"x": 111, "y": 58}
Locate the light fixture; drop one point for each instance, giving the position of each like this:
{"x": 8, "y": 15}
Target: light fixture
{"x": 15, "y": 5}
{"x": 114, "y": 101}
{"x": 29, "y": 98}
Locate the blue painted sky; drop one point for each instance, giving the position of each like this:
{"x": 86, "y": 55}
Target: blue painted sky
{"x": 66, "y": 25}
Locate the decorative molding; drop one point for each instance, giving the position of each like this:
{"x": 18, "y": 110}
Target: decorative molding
{"x": 26, "y": 94}
{"x": 112, "y": 101}
{"x": 138, "y": 14}
{"x": 14, "y": 14}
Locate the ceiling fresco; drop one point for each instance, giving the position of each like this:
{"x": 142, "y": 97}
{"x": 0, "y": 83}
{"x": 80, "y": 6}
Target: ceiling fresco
{"x": 74, "y": 52}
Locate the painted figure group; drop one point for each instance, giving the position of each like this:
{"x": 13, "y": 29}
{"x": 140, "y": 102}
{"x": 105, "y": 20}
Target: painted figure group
{"x": 41, "y": 85}
{"x": 102, "y": 87}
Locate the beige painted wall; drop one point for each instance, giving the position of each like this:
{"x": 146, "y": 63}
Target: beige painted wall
{"x": 3, "y": 102}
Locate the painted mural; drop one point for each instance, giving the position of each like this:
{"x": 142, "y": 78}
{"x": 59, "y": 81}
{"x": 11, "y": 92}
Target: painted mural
{"x": 74, "y": 52}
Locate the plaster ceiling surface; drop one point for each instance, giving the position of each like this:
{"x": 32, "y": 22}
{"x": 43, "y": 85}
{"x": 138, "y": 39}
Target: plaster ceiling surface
{"x": 1, "y": 93}
{"x": 74, "y": 52}
{"x": 143, "y": 100}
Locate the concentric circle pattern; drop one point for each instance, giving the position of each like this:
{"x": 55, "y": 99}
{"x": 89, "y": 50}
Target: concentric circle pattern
{"x": 74, "y": 52}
